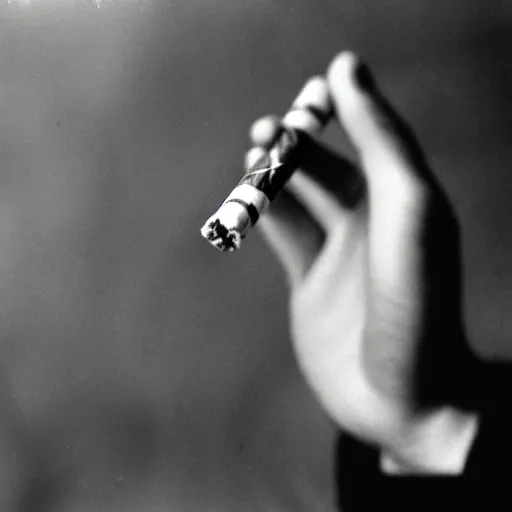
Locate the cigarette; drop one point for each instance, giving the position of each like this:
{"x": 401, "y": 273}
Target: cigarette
{"x": 229, "y": 225}
{"x": 226, "y": 228}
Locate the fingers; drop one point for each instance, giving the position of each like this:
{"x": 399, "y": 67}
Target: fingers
{"x": 326, "y": 183}
{"x": 412, "y": 251}
{"x": 312, "y": 107}
{"x": 264, "y": 131}
{"x": 294, "y": 237}
{"x": 309, "y": 112}
{"x": 391, "y": 158}
{"x": 291, "y": 233}
{"x": 324, "y": 177}
{"x": 253, "y": 155}
{"x": 400, "y": 186}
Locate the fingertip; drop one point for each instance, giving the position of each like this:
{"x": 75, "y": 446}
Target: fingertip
{"x": 253, "y": 155}
{"x": 383, "y": 139}
{"x": 265, "y": 130}
{"x": 314, "y": 92}
{"x": 347, "y": 71}
{"x": 312, "y": 108}
{"x": 342, "y": 68}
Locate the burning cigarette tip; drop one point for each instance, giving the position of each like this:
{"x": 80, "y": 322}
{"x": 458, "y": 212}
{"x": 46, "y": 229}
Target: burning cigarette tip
{"x": 226, "y": 229}
{"x": 220, "y": 236}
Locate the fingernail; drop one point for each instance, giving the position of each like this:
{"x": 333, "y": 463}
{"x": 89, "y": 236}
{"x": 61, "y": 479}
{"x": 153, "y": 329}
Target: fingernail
{"x": 364, "y": 77}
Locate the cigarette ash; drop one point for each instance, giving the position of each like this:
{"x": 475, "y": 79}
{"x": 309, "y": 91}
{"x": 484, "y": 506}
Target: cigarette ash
{"x": 221, "y": 237}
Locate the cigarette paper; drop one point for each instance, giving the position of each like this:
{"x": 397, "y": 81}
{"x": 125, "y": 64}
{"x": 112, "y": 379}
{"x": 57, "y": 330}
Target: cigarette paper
{"x": 226, "y": 228}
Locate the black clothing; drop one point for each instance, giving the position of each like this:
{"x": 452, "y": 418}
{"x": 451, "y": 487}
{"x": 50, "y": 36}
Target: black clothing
{"x": 486, "y": 483}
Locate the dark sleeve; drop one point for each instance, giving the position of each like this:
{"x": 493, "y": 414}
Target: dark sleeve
{"x": 484, "y": 485}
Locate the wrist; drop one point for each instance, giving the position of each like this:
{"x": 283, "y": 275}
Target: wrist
{"x": 437, "y": 444}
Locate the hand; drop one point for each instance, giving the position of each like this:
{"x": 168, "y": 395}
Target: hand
{"x": 372, "y": 257}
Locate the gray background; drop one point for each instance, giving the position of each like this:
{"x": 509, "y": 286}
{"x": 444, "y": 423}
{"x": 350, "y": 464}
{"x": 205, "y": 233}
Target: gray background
{"x": 141, "y": 369}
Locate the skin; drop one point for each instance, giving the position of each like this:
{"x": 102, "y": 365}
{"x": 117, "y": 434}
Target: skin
{"x": 374, "y": 279}
{"x": 112, "y": 119}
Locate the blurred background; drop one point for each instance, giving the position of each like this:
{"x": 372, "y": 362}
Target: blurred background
{"x": 141, "y": 369}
